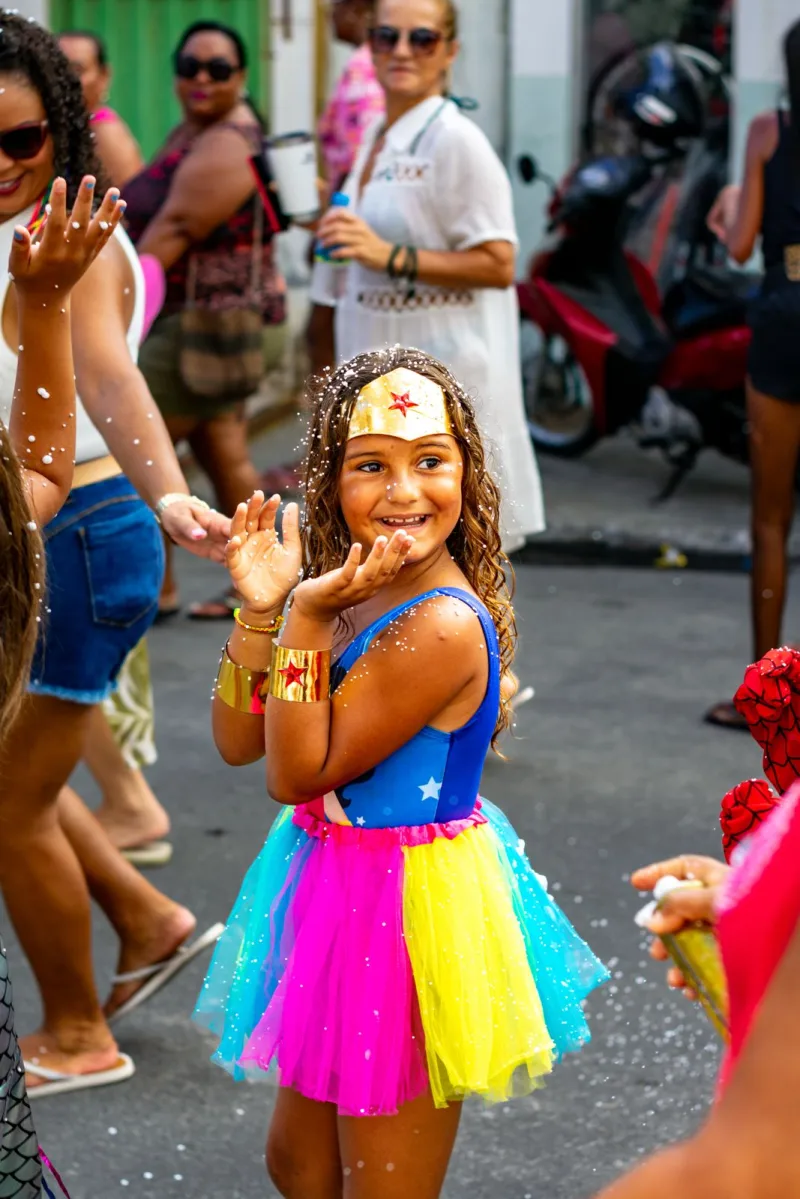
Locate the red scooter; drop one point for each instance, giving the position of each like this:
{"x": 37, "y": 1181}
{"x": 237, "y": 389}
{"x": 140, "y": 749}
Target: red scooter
{"x": 610, "y": 351}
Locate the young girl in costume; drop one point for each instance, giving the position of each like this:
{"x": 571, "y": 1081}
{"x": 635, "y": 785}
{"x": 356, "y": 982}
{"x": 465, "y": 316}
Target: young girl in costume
{"x": 391, "y": 950}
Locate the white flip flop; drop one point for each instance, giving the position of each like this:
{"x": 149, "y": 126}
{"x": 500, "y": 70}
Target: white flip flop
{"x": 57, "y": 1083}
{"x": 151, "y": 853}
{"x": 161, "y": 973}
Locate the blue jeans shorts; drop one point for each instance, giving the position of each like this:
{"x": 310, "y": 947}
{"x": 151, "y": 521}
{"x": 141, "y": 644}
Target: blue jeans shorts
{"x": 105, "y": 563}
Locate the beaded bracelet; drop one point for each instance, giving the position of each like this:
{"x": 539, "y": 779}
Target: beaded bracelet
{"x": 270, "y": 629}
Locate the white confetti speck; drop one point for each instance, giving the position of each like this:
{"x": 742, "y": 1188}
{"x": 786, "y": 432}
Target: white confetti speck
{"x": 112, "y": 1132}
{"x": 43, "y": 392}
{"x": 32, "y": 525}
{"x": 47, "y": 459}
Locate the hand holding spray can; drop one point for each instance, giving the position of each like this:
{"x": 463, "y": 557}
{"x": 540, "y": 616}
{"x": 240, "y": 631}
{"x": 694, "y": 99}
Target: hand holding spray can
{"x": 695, "y": 951}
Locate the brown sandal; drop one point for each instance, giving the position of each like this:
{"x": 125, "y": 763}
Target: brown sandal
{"x": 726, "y": 716}
{"x": 221, "y": 608}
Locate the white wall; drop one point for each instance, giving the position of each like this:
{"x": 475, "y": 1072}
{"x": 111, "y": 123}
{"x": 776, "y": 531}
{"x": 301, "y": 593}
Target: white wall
{"x": 759, "y": 26}
{"x": 292, "y": 97}
{"x": 543, "y": 118}
{"x": 481, "y": 70}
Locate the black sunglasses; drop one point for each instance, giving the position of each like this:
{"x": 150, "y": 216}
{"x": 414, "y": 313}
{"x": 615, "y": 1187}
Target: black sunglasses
{"x": 384, "y": 39}
{"x": 24, "y": 141}
{"x": 189, "y": 67}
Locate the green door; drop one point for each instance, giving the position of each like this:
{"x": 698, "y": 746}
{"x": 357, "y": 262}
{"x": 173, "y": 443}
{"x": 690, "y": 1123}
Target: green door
{"x": 141, "y": 35}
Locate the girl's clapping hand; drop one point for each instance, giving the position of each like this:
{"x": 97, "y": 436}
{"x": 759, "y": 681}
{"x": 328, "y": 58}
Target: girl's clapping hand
{"x": 68, "y": 244}
{"x": 325, "y": 598}
{"x": 264, "y": 568}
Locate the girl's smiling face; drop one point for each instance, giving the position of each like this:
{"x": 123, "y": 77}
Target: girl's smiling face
{"x": 388, "y": 484}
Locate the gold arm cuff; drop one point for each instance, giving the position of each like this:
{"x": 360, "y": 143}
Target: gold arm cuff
{"x": 302, "y": 676}
{"x": 240, "y": 688}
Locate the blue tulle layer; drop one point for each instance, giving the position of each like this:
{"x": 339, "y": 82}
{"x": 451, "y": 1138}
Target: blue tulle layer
{"x": 563, "y": 965}
{"x": 250, "y": 956}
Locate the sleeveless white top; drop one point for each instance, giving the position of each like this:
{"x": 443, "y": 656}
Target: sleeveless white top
{"x": 89, "y": 440}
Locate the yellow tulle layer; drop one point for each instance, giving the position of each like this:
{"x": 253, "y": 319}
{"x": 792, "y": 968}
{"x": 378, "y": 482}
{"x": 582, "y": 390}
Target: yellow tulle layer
{"x": 485, "y": 1031}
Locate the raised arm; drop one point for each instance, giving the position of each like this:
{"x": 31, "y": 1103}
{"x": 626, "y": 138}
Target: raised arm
{"x": 42, "y": 425}
{"x": 211, "y": 184}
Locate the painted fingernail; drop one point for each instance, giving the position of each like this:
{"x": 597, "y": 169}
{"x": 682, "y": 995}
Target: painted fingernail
{"x": 122, "y": 206}
{"x": 19, "y": 235}
{"x": 88, "y": 184}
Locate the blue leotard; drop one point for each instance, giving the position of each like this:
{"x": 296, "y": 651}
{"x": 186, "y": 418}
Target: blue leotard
{"x": 435, "y": 776}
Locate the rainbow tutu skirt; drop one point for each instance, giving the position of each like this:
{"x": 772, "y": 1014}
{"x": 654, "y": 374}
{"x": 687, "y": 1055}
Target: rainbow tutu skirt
{"x": 370, "y": 964}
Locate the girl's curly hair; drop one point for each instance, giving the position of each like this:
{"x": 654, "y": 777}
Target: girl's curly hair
{"x": 32, "y": 53}
{"x": 475, "y": 543}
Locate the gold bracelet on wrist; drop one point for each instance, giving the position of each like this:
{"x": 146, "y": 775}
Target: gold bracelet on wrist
{"x": 270, "y": 630}
{"x": 301, "y": 676}
{"x": 241, "y": 688}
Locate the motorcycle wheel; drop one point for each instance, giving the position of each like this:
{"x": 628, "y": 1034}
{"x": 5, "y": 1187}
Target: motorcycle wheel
{"x": 558, "y": 398}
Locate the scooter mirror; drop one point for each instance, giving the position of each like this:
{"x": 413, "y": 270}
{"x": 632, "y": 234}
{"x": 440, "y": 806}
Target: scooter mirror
{"x": 528, "y": 168}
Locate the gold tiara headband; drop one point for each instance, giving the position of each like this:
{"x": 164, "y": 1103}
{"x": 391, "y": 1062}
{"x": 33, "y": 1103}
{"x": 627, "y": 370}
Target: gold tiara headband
{"x": 400, "y": 404}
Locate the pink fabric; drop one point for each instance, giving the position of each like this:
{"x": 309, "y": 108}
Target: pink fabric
{"x": 356, "y": 101}
{"x": 103, "y": 116}
{"x": 155, "y": 289}
{"x": 310, "y": 817}
{"x": 347, "y": 977}
{"x": 759, "y": 911}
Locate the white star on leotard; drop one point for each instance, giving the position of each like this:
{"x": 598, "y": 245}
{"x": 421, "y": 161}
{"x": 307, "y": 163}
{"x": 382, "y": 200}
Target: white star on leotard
{"x": 431, "y": 789}
{"x": 360, "y": 820}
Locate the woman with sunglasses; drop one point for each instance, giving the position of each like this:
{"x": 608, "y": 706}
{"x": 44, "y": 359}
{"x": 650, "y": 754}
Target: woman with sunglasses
{"x": 104, "y": 566}
{"x": 430, "y": 239}
{"x": 195, "y": 209}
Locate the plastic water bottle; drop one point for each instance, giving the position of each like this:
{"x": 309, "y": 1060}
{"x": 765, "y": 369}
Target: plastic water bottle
{"x": 323, "y": 253}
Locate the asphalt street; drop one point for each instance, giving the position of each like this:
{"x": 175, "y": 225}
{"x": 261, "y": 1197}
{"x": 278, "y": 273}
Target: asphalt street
{"x": 610, "y": 768}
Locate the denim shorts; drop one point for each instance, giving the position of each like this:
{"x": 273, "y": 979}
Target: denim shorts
{"x": 105, "y": 563}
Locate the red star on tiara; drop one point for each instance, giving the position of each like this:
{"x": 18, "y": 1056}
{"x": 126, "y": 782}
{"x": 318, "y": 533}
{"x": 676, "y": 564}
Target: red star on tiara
{"x": 402, "y": 403}
{"x": 293, "y": 673}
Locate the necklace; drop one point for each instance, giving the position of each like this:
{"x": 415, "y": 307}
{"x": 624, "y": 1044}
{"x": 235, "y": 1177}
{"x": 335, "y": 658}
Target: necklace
{"x": 40, "y": 211}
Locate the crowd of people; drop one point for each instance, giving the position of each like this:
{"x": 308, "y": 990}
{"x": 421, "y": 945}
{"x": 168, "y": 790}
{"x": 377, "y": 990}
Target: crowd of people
{"x": 392, "y": 951}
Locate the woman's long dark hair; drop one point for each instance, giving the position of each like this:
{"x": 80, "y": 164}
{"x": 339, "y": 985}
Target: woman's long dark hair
{"x": 237, "y": 41}
{"x": 791, "y": 56}
{"x": 32, "y": 53}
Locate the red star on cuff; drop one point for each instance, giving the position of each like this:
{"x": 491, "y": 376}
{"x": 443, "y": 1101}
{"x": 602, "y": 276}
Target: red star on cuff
{"x": 293, "y": 673}
{"x": 402, "y": 403}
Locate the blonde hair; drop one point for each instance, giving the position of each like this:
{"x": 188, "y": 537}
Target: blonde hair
{"x": 475, "y": 543}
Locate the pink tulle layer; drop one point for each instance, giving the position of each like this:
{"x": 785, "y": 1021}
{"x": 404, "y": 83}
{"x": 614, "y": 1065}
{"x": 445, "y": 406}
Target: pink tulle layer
{"x": 384, "y": 838}
{"x": 346, "y": 979}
